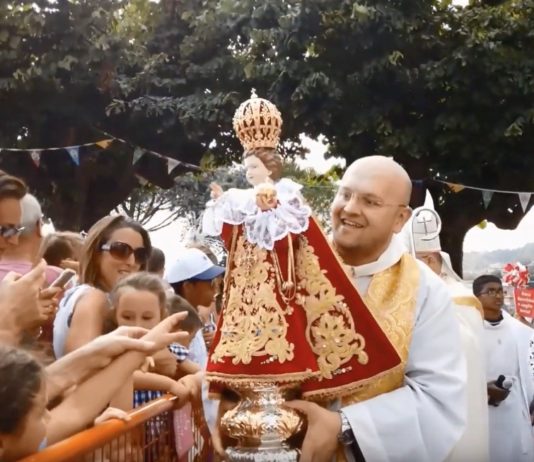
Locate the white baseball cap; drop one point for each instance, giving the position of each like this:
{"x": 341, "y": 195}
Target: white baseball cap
{"x": 193, "y": 264}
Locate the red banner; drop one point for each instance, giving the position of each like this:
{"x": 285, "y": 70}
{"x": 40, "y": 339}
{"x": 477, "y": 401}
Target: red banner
{"x": 524, "y": 302}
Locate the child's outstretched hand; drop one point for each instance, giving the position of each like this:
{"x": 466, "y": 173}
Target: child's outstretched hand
{"x": 182, "y": 394}
{"x": 112, "y": 413}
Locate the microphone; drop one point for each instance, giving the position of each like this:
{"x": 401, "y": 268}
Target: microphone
{"x": 503, "y": 383}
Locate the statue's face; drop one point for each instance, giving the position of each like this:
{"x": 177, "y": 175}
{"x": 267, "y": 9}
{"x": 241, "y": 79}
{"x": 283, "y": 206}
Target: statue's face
{"x": 266, "y": 197}
{"x": 256, "y": 171}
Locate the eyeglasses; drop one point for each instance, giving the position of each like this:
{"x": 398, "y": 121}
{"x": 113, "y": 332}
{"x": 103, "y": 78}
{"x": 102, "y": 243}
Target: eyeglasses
{"x": 10, "y": 231}
{"x": 123, "y": 251}
{"x": 492, "y": 292}
{"x": 365, "y": 201}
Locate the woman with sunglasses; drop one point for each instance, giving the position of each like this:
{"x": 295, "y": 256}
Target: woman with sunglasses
{"x": 114, "y": 248}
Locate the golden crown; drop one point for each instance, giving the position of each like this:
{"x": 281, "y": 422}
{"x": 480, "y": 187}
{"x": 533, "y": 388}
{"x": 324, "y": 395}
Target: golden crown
{"x": 258, "y": 123}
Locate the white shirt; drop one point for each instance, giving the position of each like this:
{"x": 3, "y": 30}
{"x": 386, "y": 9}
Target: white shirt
{"x": 423, "y": 420}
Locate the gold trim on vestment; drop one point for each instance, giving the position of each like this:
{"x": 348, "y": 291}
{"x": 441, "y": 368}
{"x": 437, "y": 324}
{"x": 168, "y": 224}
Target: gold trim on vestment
{"x": 469, "y": 301}
{"x": 392, "y": 298}
{"x": 254, "y": 323}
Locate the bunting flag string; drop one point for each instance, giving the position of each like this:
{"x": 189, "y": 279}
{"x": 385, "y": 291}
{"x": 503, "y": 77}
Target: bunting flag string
{"x": 138, "y": 152}
{"x": 487, "y": 194}
{"x": 74, "y": 152}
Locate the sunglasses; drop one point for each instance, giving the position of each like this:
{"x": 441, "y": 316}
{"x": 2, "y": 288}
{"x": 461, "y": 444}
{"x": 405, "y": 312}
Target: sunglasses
{"x": 123, "y": 251}
{"x": 10, "y": 231}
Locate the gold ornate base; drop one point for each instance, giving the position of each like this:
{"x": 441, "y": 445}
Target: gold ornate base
{"x": 261, "y": 425}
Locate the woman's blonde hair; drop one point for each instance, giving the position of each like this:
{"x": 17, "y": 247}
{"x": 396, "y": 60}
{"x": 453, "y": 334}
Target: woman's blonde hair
{"x": 98, "y": 235}
{"x": 270, "y": 158}
{"x": 145, "y": 281}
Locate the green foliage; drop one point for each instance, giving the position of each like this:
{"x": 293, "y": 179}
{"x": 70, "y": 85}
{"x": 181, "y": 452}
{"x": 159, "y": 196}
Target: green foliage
{"x": 446, "y": 90}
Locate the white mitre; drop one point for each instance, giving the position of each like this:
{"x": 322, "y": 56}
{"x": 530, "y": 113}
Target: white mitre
{"x": 422, "y": 232}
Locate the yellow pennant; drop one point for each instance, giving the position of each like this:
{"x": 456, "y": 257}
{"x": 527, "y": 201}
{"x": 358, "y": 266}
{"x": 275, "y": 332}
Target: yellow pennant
{"x": 456, "y": 188}
{"x": 104, "y": 143}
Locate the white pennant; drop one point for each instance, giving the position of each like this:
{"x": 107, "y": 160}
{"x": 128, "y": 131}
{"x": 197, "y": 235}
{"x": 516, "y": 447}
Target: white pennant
{"x": 172, "y": 164}
{"x": 74, "y": 153}
{"x": 137, "y": 154}
{"x": 36, "y": 157}
{"x": 486, "y": 197}
{"x": 524, "y": 198}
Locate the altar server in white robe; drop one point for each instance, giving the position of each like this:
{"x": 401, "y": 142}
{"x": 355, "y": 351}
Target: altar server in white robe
{"x": 507, "y": 344}
{"x": 419, "y": 414}
{"x": 423, "y": 231}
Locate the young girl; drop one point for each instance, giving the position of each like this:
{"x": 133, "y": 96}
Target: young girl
{"x": 140, "y": 300}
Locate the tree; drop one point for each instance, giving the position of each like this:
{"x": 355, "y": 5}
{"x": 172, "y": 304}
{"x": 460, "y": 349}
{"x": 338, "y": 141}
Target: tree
{"x": 447, "y": 91}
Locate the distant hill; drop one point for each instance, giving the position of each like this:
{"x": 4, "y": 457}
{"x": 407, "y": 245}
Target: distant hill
{"x": 477, "y": 263}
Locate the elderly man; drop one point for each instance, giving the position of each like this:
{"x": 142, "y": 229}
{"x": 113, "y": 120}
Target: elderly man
{"x": 418, "y": 414}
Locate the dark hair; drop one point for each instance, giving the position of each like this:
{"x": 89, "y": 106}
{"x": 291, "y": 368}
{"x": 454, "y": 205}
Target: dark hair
{"x": 481, "y": 281}
{"x": 177, "y": 304}
{"x": 270, "y": 158}
{"x": 21, "y": 376}
{"x": 98, "y": 235}
{"x": 11, "y": 187}
{"x": 156, "y": 262}
{"x": 60, "y": 246}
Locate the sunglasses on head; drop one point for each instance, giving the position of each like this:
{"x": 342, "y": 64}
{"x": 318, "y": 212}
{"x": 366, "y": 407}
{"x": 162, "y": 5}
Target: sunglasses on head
{"x": 123, "y": 251}
{"x": 10, "y": 231}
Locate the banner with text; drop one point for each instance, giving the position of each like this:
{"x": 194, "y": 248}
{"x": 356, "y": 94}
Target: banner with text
{"x": 524, "y": 302}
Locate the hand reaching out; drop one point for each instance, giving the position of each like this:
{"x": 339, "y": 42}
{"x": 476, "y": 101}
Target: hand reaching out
{"x": 112, "y": 413}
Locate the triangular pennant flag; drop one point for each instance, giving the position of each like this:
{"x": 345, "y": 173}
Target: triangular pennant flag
{"x": 456, "y": 188}
{"x": 36, "y": 156}
{"x": 74, "y": 153}
{"x": 486, "y": 197}
{"x": 137, "y": 154}
{"x": 104, "y": 143}
{"x": 142, "y": 180}
{"x": 172, "y": 164}
{"x": 524, "y": 198}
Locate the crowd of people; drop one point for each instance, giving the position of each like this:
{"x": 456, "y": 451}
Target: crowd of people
{"x": 90, "y": 327}
{"x": 126, "y": 329}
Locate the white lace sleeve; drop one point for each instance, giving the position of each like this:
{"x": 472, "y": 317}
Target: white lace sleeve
{"x": 232, "y": 208}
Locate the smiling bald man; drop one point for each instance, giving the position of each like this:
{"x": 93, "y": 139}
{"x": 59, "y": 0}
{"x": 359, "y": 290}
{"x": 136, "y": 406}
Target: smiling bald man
{"x": 416, "y": 413}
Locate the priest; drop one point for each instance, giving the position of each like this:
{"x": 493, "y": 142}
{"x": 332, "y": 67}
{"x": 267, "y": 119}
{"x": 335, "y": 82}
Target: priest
{"x": 419, "y": 413}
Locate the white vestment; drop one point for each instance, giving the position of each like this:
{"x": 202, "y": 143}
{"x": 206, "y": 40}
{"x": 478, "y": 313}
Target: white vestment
{"x": 474, "y": 443}
{"x": 507, "y": 346}
{"x": 423, "y": 420}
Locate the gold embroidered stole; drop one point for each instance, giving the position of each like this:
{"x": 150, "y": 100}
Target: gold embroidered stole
{"x": 391, "y": 297}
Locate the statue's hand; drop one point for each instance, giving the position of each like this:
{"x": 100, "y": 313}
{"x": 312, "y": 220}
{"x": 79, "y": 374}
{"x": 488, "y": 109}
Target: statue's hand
{"x": 216, "y": 191}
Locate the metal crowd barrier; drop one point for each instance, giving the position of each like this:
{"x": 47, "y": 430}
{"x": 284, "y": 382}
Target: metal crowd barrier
{"x": 148, "y": 437}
